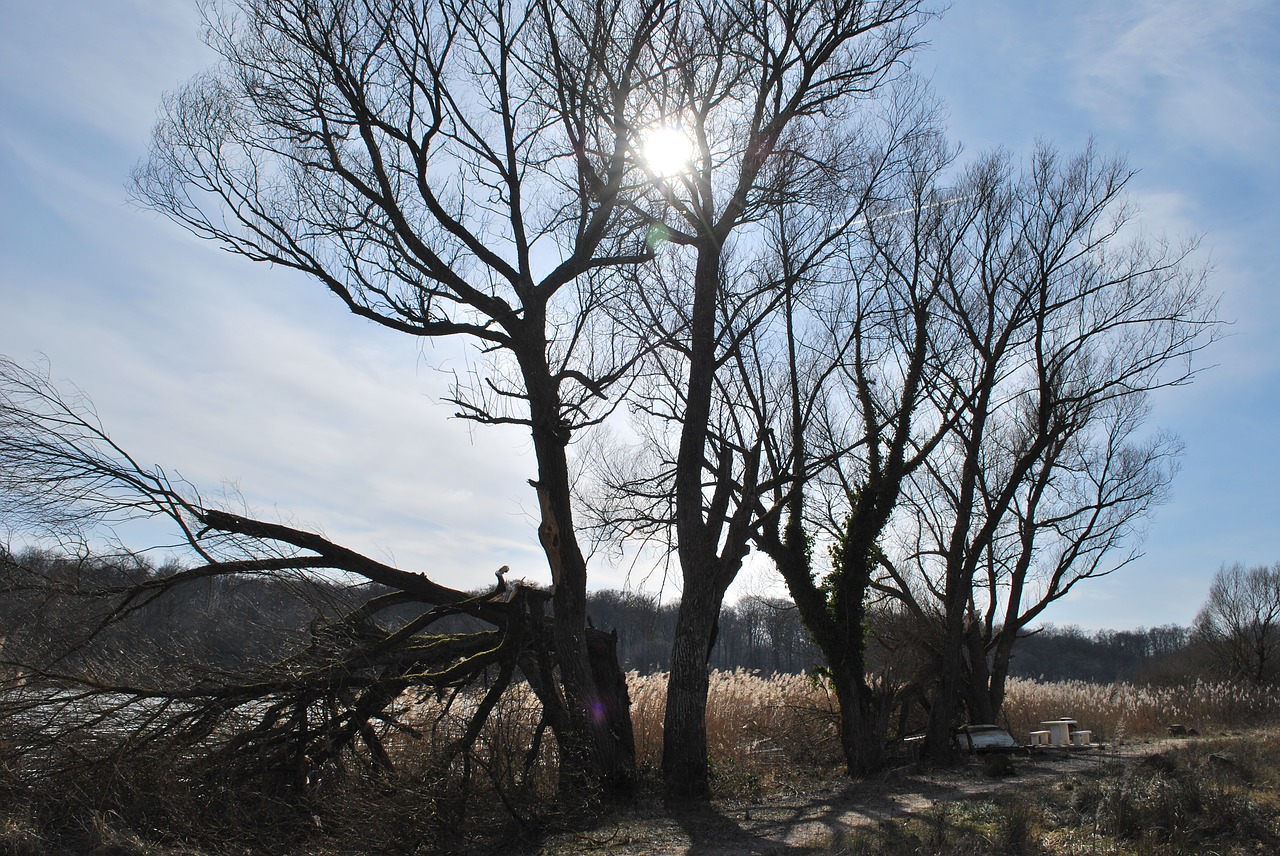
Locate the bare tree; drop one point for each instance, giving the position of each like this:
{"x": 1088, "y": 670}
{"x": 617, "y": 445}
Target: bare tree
{"x": 1078, "y": 516}
{"x": 1068, "y": 324}
{"x": 971, "y": 422}
{"x": 883, "y": 328}
{"x": 1240, "y": 621}
{"x": 756, "y": 87}
{"x": 451, "y": 168}
{"x": 985, "y": 425}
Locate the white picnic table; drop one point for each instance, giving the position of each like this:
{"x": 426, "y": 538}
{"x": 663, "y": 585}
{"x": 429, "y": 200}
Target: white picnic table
{"x": 1059, "y": 731}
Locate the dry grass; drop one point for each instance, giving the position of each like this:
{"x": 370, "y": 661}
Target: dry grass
{"x": 1215, "y": 796}
{"x": 760, "y": 729}
{"x": 1120, "y": 712}
{"x": 763, "y": 731}
{"x": 766, "y": 725}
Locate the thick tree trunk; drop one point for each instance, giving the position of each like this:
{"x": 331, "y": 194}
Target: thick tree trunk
{"x": 863, "y": 714}
{"x": 684, "y": 756}
{"x": 838, "y": 629}
{"x": 944, "y": 709}
{"x": 981, "y": 710}
{"x": 1000, "y": 660}
{"x": 612, "y": 709}
{"x": 597, "y": 754}
{"x": 685, "y": 763}
{"x": 863, "y": 723}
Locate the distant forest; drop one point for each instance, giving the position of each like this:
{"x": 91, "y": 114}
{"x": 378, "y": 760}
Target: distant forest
{"x": 233, "y": 621}
{"x": 765, "y": 634}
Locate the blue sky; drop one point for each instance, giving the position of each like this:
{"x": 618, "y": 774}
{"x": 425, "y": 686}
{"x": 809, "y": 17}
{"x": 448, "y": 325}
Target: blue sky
{"x": 253, "y": 380}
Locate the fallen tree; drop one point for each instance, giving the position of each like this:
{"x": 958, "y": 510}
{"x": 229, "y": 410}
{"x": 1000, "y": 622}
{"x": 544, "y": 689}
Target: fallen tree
{"x": 327, "y": 695}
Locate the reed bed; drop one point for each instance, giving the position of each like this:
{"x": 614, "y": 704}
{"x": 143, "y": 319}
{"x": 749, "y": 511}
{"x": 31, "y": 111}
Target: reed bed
{"x": 762, "y": 731}
{"x": 757, "y": 725}
{"x": 768, "y": 725}
{"x": 1122, "y": 712}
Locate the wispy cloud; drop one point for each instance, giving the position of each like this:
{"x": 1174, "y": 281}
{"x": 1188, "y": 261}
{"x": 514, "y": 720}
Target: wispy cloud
{"x": 1200, "y": 73}
{"x": 209, "y": 365}
{"x": 99, "y": 66}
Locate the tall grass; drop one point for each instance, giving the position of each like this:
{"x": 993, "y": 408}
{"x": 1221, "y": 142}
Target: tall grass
{"x": 1120, "y": 711}
{"x": 761, "y": 731}
{"x": 758, "y": 725}
{"x": 767, "y": 725}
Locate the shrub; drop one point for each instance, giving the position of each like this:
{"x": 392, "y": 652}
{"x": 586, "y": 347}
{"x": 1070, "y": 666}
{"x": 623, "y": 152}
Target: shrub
{"x": 1189, "y": 798}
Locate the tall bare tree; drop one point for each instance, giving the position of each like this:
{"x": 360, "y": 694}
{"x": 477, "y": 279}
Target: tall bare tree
{"x": 983, "y": 428}
{"x": 1078, "y": 516}
{"x": 1069, "y": 324}
{"x": 883, "y": 335}
{"x": 452, "y": 168}
{"x": 751, "y": 85}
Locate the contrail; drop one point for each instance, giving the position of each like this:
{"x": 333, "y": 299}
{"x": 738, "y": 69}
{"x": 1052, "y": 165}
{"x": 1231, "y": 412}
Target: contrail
{"x": 939, "y": 204}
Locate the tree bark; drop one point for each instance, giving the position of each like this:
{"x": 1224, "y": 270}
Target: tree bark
{"x": 980, "y": 703}
{"x": 685, "y": 771}
{"x": 864, "y": 719}
{"x": 944, "y": 710}
{"x": 837, "y": 627}
{"x": 685, "y": 762}
{"x": 597, "y": 752}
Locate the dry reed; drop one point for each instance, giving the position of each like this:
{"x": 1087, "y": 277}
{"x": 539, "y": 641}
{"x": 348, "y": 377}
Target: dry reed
{"x": 756, "y": 724}
{"x": 1120, "y": 711}
{"x": 770, "y": 724}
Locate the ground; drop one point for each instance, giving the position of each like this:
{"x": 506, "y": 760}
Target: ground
{"x": 806, "y": 817}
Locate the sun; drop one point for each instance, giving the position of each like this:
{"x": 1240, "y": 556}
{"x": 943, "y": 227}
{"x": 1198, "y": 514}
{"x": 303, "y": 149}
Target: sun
{"x": 667, "y": 149}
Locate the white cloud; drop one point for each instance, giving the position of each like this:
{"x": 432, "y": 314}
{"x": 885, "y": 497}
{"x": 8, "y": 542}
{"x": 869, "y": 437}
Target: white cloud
{"x": 1200, "y": 73}
{"x": 206, "y": 364}
{"x": 100, "y": 66}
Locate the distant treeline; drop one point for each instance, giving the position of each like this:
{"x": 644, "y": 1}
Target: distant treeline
{"x": 756, "y": 633}
{"x": 1146, "y": 655}
{"x": 112, "y": 615}
{"x": 766, "y": 634}
{"x": 55, "y": 610}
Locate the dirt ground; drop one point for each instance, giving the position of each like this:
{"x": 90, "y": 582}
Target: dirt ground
{"x": 803, "y": 818}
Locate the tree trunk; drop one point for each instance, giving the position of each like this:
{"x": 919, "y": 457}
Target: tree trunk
{"x": 612, "y": 709}
{"x": 864, "y": 713}
{"x": 1000, "y": 660}
{"x": 596, "y": 752}
{"x": 685, "y": 765}
{"x": 944, "y": 709}
{"x": 863, "y": 722}
{"x": 684, "y": 745}
{"x": 981, "y": 708}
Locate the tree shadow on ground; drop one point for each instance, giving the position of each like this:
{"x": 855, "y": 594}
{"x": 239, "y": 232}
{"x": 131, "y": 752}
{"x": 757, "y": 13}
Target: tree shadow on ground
{"x": 804, "y": 817}
{"x": 807, "y": 822}
{"x": 799, "y": 823}
{"x": 713, "y": 831}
